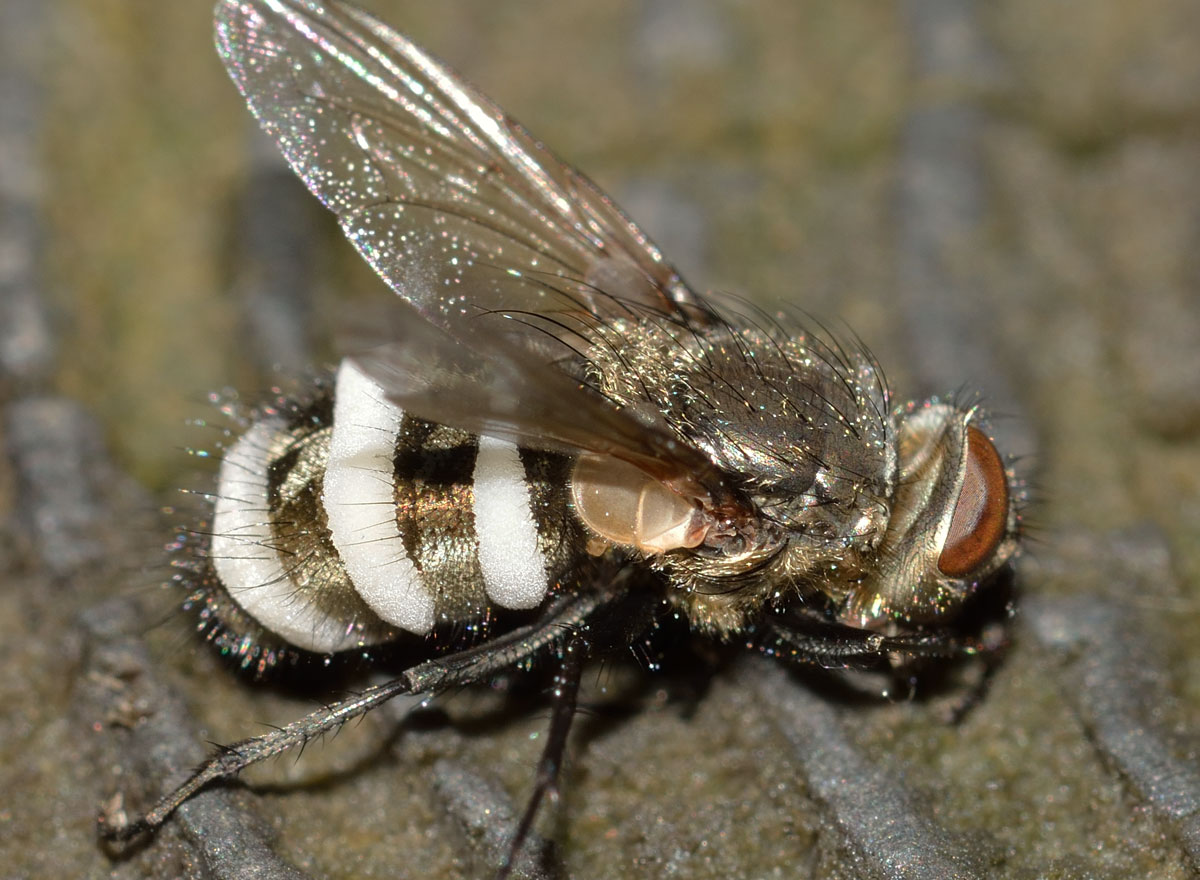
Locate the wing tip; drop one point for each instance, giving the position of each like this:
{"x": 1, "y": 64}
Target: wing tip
{"x": 231, "y": 17}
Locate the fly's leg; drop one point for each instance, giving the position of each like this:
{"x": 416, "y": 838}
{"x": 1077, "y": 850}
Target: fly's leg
{"x": 480, "y": 663}
{"x": 801, "y": 641}
{"x": 565, "y": 697}
{"x": 831, "y": 645}
{"x": 231, "y": 759}
{"x": 991, "y": 653}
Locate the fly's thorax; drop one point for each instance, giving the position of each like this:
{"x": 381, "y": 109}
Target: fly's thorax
{"x": 342, "y": 522}
{"x": 953, "y": 521}
{"x": 883, "y": 518}
{"x": 775, "y": 411}
{"x": 772, "y": 410}
{"x": 802, "y": 428}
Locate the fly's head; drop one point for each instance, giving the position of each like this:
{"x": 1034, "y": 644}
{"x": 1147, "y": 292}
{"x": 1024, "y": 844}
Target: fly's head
{"x": 953, "y": 523}
{"x": 905, "y": 545}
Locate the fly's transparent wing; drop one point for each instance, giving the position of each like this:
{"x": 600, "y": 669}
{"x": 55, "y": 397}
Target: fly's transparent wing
{"x": 503, "y": 257}
{"x": 443, "y": 194}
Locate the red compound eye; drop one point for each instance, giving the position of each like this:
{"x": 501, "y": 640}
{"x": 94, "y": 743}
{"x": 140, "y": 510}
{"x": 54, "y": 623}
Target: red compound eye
{"x": 981, "y": 513}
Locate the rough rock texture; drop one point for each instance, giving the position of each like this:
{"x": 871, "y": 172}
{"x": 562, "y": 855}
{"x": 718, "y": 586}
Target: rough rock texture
{"x": 997, "y": 197}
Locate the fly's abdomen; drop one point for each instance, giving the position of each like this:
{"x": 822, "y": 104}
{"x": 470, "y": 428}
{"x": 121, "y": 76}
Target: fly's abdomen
{"x": 347, "y": 523}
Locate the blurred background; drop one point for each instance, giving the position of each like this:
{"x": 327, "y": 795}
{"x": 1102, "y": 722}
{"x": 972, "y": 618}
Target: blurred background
{"x": 998, "y": 198}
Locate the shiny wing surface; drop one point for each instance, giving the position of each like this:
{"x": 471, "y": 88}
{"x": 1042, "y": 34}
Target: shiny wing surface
{"x": 441, "y": 191}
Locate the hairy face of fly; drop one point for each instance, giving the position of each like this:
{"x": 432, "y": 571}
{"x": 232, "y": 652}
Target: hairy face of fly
{"x": 949, "y": 524}
{"x": 953, "y": 524}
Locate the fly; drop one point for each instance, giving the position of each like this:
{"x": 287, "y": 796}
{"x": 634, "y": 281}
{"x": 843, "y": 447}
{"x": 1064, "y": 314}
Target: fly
{"x": 556, "y": 443}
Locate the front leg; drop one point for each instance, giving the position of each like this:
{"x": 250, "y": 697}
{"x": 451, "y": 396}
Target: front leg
{"x": 811, "y": 641}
